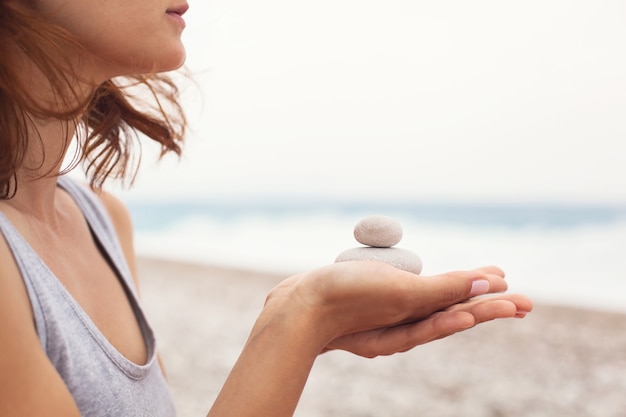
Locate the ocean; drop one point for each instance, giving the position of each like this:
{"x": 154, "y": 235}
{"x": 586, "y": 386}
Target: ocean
{"x": 558, "y": 254}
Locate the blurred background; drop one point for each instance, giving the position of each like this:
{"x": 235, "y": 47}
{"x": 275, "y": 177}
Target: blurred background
{"x": 492, "y": 130}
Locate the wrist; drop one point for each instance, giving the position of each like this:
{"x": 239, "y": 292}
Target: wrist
{"x": 291, "y": 311}
{"x": 275, "y": 362}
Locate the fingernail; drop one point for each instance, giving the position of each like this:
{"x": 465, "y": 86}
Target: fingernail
{"x": 480, "y": 286}
{"x": 521, "y": 314}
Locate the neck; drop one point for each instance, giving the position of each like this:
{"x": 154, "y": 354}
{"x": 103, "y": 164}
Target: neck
{"x": 48, "y": 138}
{"x": 49, "y": 142}
{"x": 36, "y": 191}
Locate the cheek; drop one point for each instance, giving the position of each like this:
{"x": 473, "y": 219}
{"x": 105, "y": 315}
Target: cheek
{"x": 122, "y": 37}
{"x": 138, "y": 50}
{"x": 136, "y": 44}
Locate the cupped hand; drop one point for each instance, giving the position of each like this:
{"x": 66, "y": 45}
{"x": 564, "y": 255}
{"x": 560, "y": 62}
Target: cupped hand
{"x": 456, "y": 318}
{"x": 370, "y": 308}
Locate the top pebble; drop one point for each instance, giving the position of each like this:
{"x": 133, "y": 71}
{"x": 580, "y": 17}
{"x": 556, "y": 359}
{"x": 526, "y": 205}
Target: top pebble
{"x": 378, "y": 232}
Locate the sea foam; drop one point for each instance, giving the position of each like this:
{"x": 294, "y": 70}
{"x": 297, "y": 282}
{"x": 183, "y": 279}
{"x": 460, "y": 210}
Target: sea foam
{"x": 577, "y": 262}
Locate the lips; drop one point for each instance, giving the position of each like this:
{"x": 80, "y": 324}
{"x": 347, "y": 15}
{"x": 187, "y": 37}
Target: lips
{"x": 176, "y": 14}
{"x": 179, "y": 10}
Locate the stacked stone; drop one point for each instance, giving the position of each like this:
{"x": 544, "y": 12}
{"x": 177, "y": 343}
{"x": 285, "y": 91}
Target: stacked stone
{"x": 380, "y": 234}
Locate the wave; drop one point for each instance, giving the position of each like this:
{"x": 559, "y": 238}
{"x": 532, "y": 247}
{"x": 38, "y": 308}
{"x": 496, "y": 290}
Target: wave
{"x": 575, "y": 260}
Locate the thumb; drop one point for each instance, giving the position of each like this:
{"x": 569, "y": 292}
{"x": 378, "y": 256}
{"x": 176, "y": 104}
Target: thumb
{"x": 453, "y": 287}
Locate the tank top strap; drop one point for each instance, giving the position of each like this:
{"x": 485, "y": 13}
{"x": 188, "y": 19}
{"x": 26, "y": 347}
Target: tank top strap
{"x": 101, "y": 380}
{"x": 101, "y": 226}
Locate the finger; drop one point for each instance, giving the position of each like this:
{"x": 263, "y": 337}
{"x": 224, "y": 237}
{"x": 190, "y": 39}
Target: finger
{"x": 390, "y": 340}
{"x": 438, "y": 326}
{"x": 457, "y": 318}
{"x": 445, "y": 290}
{"x": 491, "y": 269}
{"x": 449, "y": 322}
{"x": 495, "y": 276}
{"x": 387, "y": 341}
{"x": 506, "y": 305}
{"x": 488, "y": 310}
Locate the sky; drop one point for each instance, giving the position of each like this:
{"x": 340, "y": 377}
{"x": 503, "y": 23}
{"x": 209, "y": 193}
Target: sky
{"x": 473, "y": 101}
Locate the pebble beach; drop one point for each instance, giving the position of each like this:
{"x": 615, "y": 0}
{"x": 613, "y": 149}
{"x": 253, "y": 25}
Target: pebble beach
{"x": 558, "y": 361}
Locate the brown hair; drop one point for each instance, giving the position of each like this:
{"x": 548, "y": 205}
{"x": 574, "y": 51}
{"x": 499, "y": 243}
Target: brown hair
{"x": 112, "y": 116}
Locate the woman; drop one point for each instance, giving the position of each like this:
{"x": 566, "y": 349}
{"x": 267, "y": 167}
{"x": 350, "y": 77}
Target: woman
{"x": 73, "y": 339}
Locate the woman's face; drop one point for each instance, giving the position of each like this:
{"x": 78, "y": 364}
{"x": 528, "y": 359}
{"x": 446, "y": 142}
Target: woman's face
{"x": 124, "y": 37}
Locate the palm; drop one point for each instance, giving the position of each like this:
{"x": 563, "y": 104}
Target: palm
{"x": 372, "y": 309}
{"x": 400, "y": 338}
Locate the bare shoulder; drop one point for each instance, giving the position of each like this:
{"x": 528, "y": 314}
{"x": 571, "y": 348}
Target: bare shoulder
{"x": 12, "y": 289}
{"x": 30, "y": 384}
{"x": 122, "y": 221}
{"x": 119, "y": 213}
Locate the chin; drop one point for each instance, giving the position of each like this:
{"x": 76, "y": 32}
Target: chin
{"x": 175, "y": 63}
{"x": 139, "y": 64}
{"x": 167, "y": 59}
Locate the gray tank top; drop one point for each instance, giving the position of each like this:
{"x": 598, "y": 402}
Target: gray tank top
{"x": 102, "y": 381}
